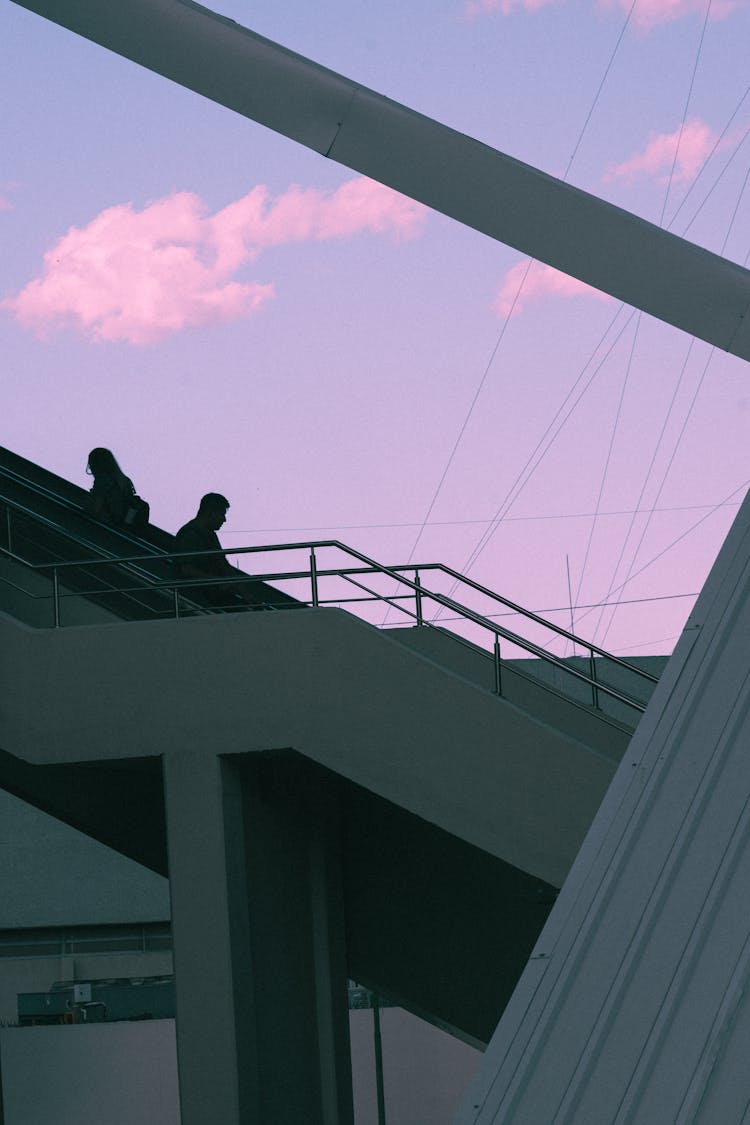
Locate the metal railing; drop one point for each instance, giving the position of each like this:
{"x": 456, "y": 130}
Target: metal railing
{"x": 355, "y": 586}
{"x": 145, "y": 575}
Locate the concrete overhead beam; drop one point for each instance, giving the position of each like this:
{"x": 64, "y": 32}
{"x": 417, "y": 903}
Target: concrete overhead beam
{"x": 578, "y": 233}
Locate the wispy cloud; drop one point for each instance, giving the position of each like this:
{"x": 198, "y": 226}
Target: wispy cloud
{"x": 650, "y": 13}
{"x": 5, "y": 204}
{"x": 139, "y": 276}
{"x": 541, "y": 281}
{"x": 505, "y": 7}
{"x": 695, "y": 141}
{"x": 646, "y": 14}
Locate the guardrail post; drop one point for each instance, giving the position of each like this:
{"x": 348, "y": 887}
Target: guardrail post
{"x": 418, "y": 598}
{"x": 313, "y": 576}
{"x": 176, "y": 597}
{"x": 498, "y": 667}
{"x": 594, "y": 688}
{"x": 56, "y": 597}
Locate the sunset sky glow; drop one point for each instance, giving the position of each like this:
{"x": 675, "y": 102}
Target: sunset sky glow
{"x": 229, "y": 311}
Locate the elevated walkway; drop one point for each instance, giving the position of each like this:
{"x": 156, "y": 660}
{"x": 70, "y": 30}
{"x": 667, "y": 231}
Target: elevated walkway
{"x": 325, "y": 684}
{"x": 432, "y": 774}
{"x": 332, "y": 798}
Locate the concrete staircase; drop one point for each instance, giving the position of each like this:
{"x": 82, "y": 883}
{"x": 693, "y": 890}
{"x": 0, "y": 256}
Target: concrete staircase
{"x": 458, "y": 812}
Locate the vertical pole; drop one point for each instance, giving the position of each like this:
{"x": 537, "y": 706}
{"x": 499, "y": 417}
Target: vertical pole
{"x": 313, "y": 576}
{"x": 56, "y": 597}
{"x": 592, "y": 673}
{"x": 378, "y": 1059}
{"x": 498, "y": 674}
{"x": 176, "y": 598}
{"x": 570, "y": 602}
{"x": 418, "y": 598}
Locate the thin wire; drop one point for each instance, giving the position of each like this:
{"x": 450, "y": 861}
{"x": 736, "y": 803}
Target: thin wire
{"x": 715, "y": 184}
{"x": 489, "y": 532}
{"x": 503, "y": 517}
{"x": 689, "y": 411}
{"x": 647, "y": 477}
{"x": 707, "y": 161}
{"x": 599, "y": 89}
{"x": 465, "y": 423}
{"x": 517, "y": 294}
{"x": 566, "y": 608}
{"x": 461, "y": 523}
{"x": 510, "y": 499}
{"x": 736, "y": 209}
{"x": 607, "y": 462}
{"x": 668, "y": 415}
{"x": 674, "y": 543}
{"x": 570, "y": 601}
{"x": 688, "y": 99}
{"x": 658, "y": 641}
{"x": 469, "y": 413}
{"x": 665, "y": 474}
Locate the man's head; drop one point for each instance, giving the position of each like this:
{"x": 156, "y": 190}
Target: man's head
{"x": 212, "y": 511}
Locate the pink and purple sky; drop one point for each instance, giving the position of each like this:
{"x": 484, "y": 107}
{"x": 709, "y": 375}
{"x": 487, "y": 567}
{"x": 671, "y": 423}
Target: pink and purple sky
{"x": 229, "y": 311}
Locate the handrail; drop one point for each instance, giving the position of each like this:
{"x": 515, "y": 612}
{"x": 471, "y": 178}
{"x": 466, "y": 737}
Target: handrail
{"x": 516, "y": 639}
{"x": 71, "y": 535}
{"x": 374, "y": 567}
{"x": 415, "y": 589}
{"x": 531, "y": 616}
{"x": 108, "y": 557}
{"x": 35, "y": 486}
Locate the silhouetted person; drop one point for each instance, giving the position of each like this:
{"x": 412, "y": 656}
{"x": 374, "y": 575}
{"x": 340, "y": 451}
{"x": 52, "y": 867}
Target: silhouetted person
{"x": 113, "y": 498}
{"x": 199, "y": 534}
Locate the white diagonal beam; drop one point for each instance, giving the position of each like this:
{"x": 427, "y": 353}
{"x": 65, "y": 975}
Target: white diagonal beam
{"x": 602, "y": 245}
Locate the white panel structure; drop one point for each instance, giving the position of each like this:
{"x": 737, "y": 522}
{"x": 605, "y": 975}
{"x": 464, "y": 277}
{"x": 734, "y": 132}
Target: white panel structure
{"x": 635, "y": 1005}
{"x": 578, "y": 233}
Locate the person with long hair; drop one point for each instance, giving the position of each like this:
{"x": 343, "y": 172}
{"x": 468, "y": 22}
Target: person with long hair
{"x": 112, "y": 498}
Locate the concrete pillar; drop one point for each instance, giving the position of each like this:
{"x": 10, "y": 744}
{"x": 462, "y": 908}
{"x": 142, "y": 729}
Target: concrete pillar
{"x": 297, "y": 940}
{"x": 258, "y": 931}
{"x": 213, "y": 982}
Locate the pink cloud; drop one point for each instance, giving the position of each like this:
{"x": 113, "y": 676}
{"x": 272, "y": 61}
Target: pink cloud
{"x": 695, "y": 141}
{"x": 649, "y": 13}
{"x": 5, "y": 204}
{"x": 505, "y": 7}
{"x": 139, "y": 276}
{"x": 646, "y": 15}
{"x": 541, "y": 281}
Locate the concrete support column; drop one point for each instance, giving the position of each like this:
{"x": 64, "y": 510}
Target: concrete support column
{"x": 213, "y": 980}
{"x": 259, "y": 945}
{"x": 297, "y": 941}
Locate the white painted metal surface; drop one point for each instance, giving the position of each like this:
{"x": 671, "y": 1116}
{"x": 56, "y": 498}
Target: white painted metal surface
{"x": 635, "y": 1005}
{"x": 602, "y": 245}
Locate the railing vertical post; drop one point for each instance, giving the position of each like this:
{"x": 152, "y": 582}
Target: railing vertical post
{"x": 592, "y": 673}
{"x": 176, "y": 597}
{"x": 498, "y": 672}
{"x": 56, "y": 597}
{"x": 313, "y": 576}
{"x": 418, "y": 598}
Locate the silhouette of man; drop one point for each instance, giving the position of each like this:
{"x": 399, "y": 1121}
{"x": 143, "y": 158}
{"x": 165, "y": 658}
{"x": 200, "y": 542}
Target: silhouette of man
{"x": 199, "y": 534}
